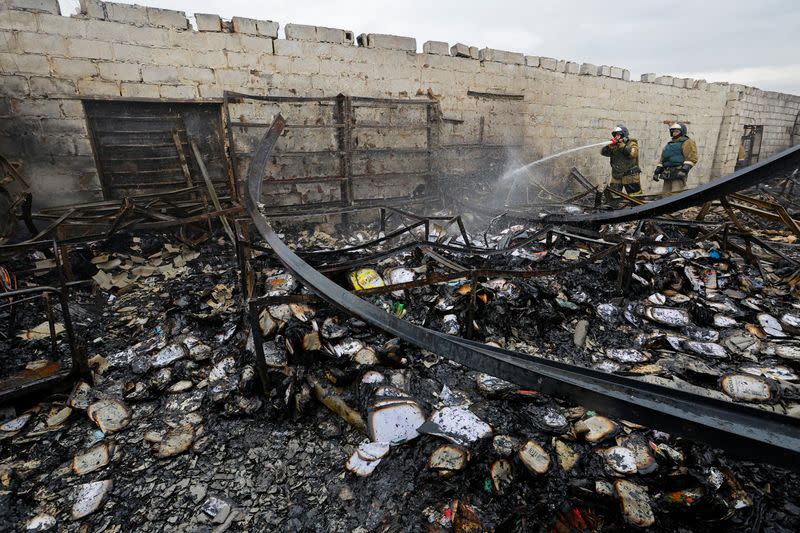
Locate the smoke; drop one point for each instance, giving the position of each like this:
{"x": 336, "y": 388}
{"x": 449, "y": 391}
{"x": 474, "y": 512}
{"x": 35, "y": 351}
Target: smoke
{"x": 536, "y": 181}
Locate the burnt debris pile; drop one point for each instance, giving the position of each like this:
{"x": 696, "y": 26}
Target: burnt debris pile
{"x": 154, "y": 382}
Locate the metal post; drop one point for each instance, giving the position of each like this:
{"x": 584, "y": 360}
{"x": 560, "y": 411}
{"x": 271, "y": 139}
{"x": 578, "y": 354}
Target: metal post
{"x": 343, "y": 115}
{"x": 51, "y": 321}
{"x": 80, "y": 364}
{"x": 470, "y": 329}
{"x": 247, "y": 287}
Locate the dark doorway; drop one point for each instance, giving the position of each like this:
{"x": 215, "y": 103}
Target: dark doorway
{"x": 144, "y": 147}
{"x": 750, "y": 148}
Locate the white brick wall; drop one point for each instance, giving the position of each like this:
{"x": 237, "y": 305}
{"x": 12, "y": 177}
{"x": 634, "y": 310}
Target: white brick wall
{"x": 138, "y": 52}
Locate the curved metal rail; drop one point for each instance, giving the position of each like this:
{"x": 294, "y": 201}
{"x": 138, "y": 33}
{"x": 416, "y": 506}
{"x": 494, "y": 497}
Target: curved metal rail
{"x": 740, "y": 429}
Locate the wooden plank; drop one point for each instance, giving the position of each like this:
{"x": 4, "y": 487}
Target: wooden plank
{"x": 211, "y": 192}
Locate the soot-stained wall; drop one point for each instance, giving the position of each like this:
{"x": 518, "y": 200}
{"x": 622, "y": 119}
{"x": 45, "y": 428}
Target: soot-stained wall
{"x": 537, "y": 105}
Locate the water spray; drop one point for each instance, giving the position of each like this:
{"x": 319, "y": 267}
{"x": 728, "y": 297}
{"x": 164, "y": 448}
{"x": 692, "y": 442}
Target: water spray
{"x": 515, "y": 173}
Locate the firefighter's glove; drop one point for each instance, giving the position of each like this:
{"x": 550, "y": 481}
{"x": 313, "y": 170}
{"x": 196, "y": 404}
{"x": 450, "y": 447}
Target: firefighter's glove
{"x": 657, "y": 173}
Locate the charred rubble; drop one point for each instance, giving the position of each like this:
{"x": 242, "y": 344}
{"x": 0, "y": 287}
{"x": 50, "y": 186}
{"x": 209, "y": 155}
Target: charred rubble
{"x": 205, "y": 388}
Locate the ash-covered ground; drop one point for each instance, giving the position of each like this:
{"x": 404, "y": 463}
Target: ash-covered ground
{"x": 174, "y": 433}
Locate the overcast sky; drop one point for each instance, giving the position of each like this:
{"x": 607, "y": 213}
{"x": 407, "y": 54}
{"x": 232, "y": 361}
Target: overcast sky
{"x": 754, "y": 42}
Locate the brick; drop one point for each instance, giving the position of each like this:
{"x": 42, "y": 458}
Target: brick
{"x": 334, "y": 35}
{"x": 37, "y": 107}
{"x": 648, "y": 78}
{"x": 167, "y": 18}
{"x": 169, "y": 56}
{"x": 113, "y": 32}
{"x": 178, "y": 92}
{"x": 5, "y": 107}
{"x": 570, "y": 67}
{"x": 561, "y": 66}
{"x": 17, "y": 20}
{"x": 267, "y": 28}
{"x": 38, "y": 43}
{"x": 387, "y": 42}
{"x": 13, "y": 85}
{"x": 289, "y": 48}
{"x": 24, "y": 64}
{"x": 616, "y": 72}
{"x": 604, "y": 70}
{"x": 83, "y": 147}
{"x": 8, "y": 41}
{"x": 206, "y": 22}
{"x": 298, "y": 82}
{"x": 588, "y": 69}
{"x": 21, "y": 126}
{"x": 250, "y": 43}
{"x": 91, "y": 87}
{"x": 64, "y": 26}
{"x": 64, "y": 125}
{"x": 626, "y": 74}
{"x": 213, "y": 59}
{"x": 439, "y": 48}
{"x": 51, "y": 86}
{"x": 139, "y": 34}
{"x": 300, "y": 32}
{"x": 129, "y": 52}
{"x": 74, "y": 68}
{"x": 139, "y": 90}
{"x": 532, "y": 61}
{"x": 126, "y": 13}
{"x": 71, "y": 108}
{"x": 245, "y": 60}
{"x": 474, "y": 53}
{"x": 84, "y": 48}
{"x": 260, "y": 78}
{"x": 548, "y": 63}
{"x": 192, "y": 41}
{"x": 119, "y": 71}
{"x": 306, "y": 65}
{"x": 196, "y": 75}
{"x": 679, "y": 82}
{"x": 501, "y": 56}
{"x": 664, "y": 80}
{"x": 232, "y": 77}
{"x": 35, "y": 6}
{"x": 459, "y": 50}
{"x": 264, "y": 28}
{"x": 153, "y": 74}
{"x": 210, "y": 90}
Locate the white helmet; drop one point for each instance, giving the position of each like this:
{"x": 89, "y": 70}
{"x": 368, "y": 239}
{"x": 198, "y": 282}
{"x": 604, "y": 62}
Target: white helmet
{"x": 678, "y": 126}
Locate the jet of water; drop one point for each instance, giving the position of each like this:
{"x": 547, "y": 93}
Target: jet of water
{"x": 516, "y": 172}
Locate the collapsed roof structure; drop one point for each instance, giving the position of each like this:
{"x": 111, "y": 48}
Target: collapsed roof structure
{"x": 309, "y": 323}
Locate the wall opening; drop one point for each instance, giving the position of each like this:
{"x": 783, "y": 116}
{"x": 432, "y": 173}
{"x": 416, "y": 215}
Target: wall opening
{"x": 750, "y": 147}
{"x": 145, "y": 147}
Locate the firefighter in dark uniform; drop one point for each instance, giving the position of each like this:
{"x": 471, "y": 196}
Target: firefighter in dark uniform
{"x": 677, "y": 159}
{"x": 624, "y": 154}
